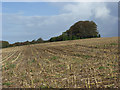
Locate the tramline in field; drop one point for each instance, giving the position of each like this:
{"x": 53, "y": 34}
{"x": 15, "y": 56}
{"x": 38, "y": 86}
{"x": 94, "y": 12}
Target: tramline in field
{"x": 83, "y": 63}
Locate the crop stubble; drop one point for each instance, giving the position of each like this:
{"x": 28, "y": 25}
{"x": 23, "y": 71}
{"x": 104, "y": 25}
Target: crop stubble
{"x": 85, "y": 63}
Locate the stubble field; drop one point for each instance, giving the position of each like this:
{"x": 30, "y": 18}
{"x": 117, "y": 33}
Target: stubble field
{"x": 84, "y": 63}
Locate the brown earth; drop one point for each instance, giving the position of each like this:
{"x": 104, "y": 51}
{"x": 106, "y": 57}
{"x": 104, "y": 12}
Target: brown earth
{"x": 84, "y": 63}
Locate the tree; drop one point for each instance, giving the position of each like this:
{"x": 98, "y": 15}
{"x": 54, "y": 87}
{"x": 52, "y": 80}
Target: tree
{"x": 4, "y": 44}
{"x": 33, "y": 42}
{"x": 83, "y": 29}
{"x": 26, "y": 43}
{"x": 80, "y": 30}
{"x": 74, "y": 37}
{"x": 52, "y": 39}
{"x": 99, "y": 35}
{"x": 40, "y": 40}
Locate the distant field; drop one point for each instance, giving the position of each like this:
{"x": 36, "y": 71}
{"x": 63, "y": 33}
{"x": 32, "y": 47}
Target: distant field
{"x": 84, "y": 63}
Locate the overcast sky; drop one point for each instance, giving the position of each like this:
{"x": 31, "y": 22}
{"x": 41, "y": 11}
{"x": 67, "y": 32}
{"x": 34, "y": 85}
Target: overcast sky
{"x": 30, "y": 20}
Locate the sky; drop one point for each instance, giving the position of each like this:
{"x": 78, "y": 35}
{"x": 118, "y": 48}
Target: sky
{"x": 22, "y": 21}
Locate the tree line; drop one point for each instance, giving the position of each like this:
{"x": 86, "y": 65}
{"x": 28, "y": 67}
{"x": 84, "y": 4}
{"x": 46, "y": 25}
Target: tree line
{"x": 4, "y": 44}
{"x": 80, "y": 30}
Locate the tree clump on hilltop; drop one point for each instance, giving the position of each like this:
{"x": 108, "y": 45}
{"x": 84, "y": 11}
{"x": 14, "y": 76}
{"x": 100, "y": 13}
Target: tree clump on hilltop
{"x": 80, "y": 30}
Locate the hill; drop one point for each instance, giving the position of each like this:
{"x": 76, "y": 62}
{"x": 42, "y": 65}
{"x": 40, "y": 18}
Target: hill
{"x": 84, "y": 63}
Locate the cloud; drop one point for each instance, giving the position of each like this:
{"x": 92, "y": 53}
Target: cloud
{"x": 17, "y": 27}
{"x": 102, "y": 12}
{"x": 86, "y": 10}
{"x": 82, "y": 10}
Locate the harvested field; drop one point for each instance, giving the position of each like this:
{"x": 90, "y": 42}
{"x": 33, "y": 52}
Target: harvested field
{"x": 85, "y": 63}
